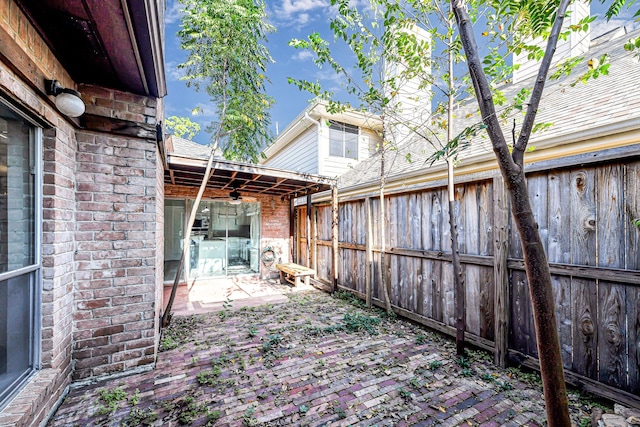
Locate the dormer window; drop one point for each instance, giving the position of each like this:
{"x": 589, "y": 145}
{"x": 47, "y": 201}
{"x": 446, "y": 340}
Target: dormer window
{"x": 343, "y": 140}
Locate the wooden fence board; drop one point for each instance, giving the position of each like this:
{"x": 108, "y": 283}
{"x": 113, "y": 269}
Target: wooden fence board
{"x": 361, "y": 274}
{"x": 437, "y": 225}
{"x": 486, "y": 303}
{"x": 426, "y": 203}
{"x": 414, "y": 231}
{"x": 583, "y": 214}
{"x": 537, "y": 185}
{"x": 612, "y": 335}
{"x": 468, "y": 216}
{"x": 633, "y": 339}
{"x": 632, "y": 210}
{"x": 585, "y": 331}
{"x": 559, "y": 248}
{"x": 485, "y": 218}
{"x": 562, "y": 296}
{"x": 523, "y": 336}
{"x": 428, "y": 293}
{"x": 610, "y": 227}
{"x": 448, "y": 292}
{"x": 420, "y": 287}
{"x": 473, "y": 298}
{"x": 437, "y": 292}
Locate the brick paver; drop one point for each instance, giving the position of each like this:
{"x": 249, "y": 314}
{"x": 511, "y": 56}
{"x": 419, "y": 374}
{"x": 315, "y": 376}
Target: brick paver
{"x": 298, "y": 364}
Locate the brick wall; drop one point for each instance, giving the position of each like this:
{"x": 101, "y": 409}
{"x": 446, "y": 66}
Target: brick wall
{"x": 274, "y": 220}
{"x": 116, "y": 233}
{"x": 33, "y": 403}
{"x": 101, "y": 240}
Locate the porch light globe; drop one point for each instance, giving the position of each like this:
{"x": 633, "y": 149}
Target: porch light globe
{"x": 70, "y": 104}
{"x": 235, "y": 202}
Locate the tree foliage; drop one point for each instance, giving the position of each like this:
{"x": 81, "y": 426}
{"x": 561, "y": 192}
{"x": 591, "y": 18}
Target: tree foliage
{"x": 182, "y": 127}
{"x": 227, "y": 59}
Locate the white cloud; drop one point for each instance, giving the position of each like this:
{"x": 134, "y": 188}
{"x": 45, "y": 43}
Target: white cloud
{"x": 297, "y": 13}
{"x": 205, "y": 111}
{"x": 290, "y": 7}
{"x": 302, "y": 55}
{"x": 173, "y": 72}
{"x": 173, "y": 12}
{"x": 602, "y": 26}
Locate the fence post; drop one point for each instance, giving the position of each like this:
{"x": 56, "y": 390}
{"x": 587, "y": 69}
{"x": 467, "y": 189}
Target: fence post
{"x": 292, "y": 231}
{"x": 308, "y": 230}
{"x": 500, "y": 273}
{"x": 314, "y": 242}
{"x": 334, "y": 235}
{"x": 369, "y": 251}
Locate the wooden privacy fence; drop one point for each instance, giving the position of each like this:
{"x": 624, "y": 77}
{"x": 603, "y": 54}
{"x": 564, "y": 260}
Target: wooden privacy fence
{"x": 585, "y": 218}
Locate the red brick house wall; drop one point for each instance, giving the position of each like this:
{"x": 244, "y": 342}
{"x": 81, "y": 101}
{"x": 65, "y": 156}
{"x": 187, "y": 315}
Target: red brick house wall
{"x": 274, "y": 221}
{"x": 102, "y": 211}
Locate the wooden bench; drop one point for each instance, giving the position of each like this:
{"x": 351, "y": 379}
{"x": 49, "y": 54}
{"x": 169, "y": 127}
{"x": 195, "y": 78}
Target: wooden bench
{"x": 292, "y": 273}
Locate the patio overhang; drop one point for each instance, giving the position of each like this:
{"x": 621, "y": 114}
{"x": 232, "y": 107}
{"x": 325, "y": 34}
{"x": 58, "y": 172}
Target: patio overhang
{"x": 244, "y": 177}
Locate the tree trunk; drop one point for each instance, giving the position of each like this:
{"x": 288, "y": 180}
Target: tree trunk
{"x": 166, "y": 316}
{"x": 512, "y": 169}
{"x": 383, "y": 226}
{"x": 458, "y": 278}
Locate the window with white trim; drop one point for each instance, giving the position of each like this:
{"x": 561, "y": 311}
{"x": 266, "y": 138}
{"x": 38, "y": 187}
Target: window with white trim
{"x": 343, "y": 140}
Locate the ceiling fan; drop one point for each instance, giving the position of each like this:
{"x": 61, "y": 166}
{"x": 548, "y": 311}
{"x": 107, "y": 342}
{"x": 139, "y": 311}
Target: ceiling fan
{"x": 235, "y": 198}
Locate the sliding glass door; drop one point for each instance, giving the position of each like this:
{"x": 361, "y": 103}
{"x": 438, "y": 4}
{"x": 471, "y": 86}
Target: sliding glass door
{"x": 20, "y": 227}
{"x": 222, "y": 239}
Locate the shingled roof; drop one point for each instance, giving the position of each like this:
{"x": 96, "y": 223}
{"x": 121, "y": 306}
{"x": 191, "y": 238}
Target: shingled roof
{"x": 607, "y": 105}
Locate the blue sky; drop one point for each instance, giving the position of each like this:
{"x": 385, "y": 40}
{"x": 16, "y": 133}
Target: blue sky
{"x": 292, "y": 19}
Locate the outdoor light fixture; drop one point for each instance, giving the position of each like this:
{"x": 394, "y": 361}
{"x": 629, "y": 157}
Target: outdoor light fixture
{"x": 68, "y": 101}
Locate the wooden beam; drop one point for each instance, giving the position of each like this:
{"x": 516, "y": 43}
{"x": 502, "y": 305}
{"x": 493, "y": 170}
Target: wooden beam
{"x": 118, "y": 126}
{"x": 231, "y": 179}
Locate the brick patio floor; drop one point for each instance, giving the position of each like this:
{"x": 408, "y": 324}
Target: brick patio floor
{"x": 315, "y": 360}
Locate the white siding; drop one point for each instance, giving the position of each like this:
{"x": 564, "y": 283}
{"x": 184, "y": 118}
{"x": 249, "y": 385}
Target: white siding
{"x": 299, "y": 156}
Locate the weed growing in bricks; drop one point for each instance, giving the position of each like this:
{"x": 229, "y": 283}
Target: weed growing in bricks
{"x": 421, "y": 339}
{"x": 529, "y": 377}
{"x": 357, "y": 322}
{"x": 180, "y": 331}
{"x": 110, "y": 400}
{"x": 487, "y": 377}
{"x": 212, "y": 416}
{"x": 140, "y": 417}
{"x": 504, "y": 386}
{"x": 252, "y": 331}
{"x": 303, "y": 409}
{"x": 227, "y": 305}
{"x": 189, "y": 410}
{"x": 463, "y": 362}
{"x": 248, "y": 419}
{"x": 404, "y": 393}
{"x": 414, "y": 382}
{"x": 272, "y": 343}
{"x": 435, "y": 365}
{"x": 135, "y": 398}
{"x": 350, "y": 298}
{"x": 468, "y": 372}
